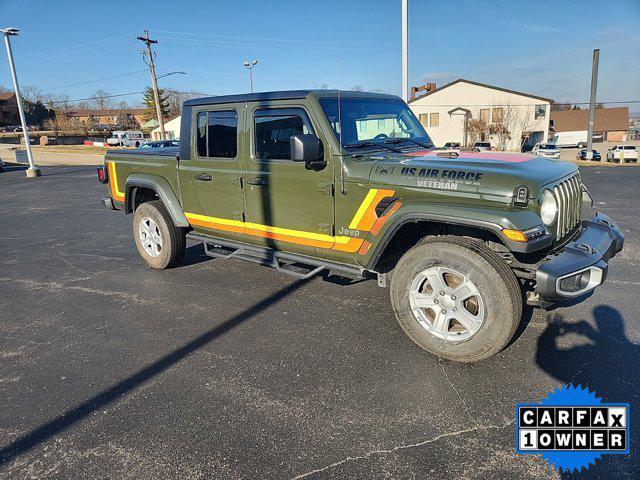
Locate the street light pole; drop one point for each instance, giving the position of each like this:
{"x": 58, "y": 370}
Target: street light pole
{"x": 32, "y": 171}
{"x": 249, "y": 66}
{"x": 405, "y": 48}
{"x": 592, "y": 103}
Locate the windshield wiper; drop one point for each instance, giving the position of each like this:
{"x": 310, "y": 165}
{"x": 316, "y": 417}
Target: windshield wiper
{"x": 371, "y": 144}
{"x": 400, "y": 140}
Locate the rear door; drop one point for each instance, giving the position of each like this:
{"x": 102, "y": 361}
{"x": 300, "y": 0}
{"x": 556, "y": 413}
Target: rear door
{"x": 211, "y": 183}
{"x": 288, "y": 207}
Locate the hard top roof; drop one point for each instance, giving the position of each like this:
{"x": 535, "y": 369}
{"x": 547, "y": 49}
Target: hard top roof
{"x": 281, "y": 95}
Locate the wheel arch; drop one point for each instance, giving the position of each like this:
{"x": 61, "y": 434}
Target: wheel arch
{"x": 409, "y": 229}
{"x": 138, "y": 183}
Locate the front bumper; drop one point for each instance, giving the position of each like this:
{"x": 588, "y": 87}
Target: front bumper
{"x": 582, "y": 264}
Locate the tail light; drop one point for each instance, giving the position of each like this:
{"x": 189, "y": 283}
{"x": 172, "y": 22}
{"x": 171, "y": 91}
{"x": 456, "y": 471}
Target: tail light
{"x": 103, "y": 176}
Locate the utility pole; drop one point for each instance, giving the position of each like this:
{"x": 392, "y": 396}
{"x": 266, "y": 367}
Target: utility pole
{"x": 32, "y": 171}
{"x": 405, "y": 45}
{"x": 592, "y": 102}
{"x": 154, "y": 81}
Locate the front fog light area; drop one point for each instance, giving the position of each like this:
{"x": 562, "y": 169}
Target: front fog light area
{"x": 575, "y": 282}
{"x": 579, "y": 282}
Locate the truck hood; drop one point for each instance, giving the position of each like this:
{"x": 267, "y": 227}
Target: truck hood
{"x": 486, "y": 173}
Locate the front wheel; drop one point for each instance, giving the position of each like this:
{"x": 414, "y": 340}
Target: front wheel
{"x": 456, "y": 298}
{"x": 160, "y": 243}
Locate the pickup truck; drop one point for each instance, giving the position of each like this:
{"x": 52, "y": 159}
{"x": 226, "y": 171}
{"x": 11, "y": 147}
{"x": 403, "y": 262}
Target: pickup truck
{"x": 350, "y": 184}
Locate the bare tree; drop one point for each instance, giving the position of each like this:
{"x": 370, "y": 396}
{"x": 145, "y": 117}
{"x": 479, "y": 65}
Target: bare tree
{"x": 510, "y": 120}
{"x": 175, "y": 98}
{"x": 357, "y": 88}
{"x": 101, "y": 100}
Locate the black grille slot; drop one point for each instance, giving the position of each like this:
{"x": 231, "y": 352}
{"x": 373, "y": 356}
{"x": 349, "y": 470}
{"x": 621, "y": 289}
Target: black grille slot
{"x": 384, "y": 205}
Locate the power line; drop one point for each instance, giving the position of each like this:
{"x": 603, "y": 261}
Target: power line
{"x": 262, "y": 39}
{"x": 96, "y": 98}
{"x": 76, "y": 46}
{"x": 95, "y": 81}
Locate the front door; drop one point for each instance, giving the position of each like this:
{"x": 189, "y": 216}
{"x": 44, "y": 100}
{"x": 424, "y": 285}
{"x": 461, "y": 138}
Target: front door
{"x": 288, "y": 207}
{"x": 210, "y": 182}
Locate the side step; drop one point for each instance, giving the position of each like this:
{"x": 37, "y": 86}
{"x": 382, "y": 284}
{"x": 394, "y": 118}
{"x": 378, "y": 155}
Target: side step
{"x": 298, "y": 266}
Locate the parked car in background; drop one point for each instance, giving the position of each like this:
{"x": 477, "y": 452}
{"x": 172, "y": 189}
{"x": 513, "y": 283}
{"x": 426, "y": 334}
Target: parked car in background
{"x": 452, "y": 145}
{"x": 622, "y": 154}
{"x": 161, "y": 144}
{"x": 582, "y": 155}
{"x": 546, "y": 150}
{"x": 126, "y": 138}
{"x": 482, "y": 146}
{"x": 576, "y": 138}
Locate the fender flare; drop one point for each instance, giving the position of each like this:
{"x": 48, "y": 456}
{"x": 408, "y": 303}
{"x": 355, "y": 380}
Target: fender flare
{"x": 413, "y": 217}
{"x": 164, "y": 190}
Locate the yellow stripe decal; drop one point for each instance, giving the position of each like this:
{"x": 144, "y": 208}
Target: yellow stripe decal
{"x": 363, "y": 208}
{"x": 118, "y": 195}
{"x": 342, "y": 243}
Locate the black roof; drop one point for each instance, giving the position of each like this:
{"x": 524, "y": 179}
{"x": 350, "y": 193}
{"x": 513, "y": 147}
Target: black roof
{"x": 281, "y": 95}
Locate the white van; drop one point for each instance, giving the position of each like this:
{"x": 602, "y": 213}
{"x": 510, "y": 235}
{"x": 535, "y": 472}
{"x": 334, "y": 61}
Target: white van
{"x": 577, "y": 138}
{"x": 126, "y": 138}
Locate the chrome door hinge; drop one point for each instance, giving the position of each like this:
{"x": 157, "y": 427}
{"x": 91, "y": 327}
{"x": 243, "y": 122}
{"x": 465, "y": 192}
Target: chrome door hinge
{"x": 238, "y": 216}
{"x": 236, "y": 181}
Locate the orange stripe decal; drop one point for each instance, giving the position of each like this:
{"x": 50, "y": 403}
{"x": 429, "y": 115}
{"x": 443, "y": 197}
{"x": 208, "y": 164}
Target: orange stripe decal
{"x": 365, "y": 219}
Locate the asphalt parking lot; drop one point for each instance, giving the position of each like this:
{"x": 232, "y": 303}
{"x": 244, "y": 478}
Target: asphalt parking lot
{"x": 223, "y": 369}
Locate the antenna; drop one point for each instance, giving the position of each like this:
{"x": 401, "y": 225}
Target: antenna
{"x": 343, "y": 190}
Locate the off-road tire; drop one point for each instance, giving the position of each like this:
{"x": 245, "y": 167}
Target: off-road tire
{"x": 500, "y": 291}
{"x": 173, "y": 238}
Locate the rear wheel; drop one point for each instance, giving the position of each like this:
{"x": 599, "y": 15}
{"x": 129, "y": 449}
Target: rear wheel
{"x": 456, "y": 298}
{"x": 160, "y": 243}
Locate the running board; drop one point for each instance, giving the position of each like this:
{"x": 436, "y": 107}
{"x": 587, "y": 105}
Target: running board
{"x": 298, "y": 266}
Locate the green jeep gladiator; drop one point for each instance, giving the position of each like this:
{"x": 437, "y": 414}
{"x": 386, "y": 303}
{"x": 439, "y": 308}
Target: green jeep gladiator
{"x": 350, "y": 183}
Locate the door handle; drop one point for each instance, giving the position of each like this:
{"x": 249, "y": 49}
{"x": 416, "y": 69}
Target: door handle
{"x": 203, "y": 177}
{"x": 257, "y": 181}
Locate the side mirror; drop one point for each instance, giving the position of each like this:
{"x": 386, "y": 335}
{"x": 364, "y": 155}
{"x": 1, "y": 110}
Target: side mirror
{"x": 305, "y": 148}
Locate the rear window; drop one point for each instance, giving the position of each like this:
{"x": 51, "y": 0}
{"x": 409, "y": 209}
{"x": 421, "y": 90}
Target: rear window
{"x": 482, "y": 144}
{"x": 217, "y": 134}
{"x": 629, "y": 147}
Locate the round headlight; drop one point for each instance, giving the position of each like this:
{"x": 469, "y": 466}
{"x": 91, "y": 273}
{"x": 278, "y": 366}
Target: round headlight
{"x": 549, "y": 210}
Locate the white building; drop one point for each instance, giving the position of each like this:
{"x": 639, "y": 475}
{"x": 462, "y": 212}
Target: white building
{"x": 464, "y": 111}
{"x": 171, "y": 129}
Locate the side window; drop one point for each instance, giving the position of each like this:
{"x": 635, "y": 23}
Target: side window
{"x": 201, "y": 135}
{"x": 274, "y": 128}
{"x": 222, "y": 134}
{"x": 217, "y": 134}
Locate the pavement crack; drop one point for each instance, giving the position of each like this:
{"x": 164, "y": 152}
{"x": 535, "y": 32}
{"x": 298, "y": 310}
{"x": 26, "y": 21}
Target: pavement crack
{"x": 464, "y": 404}
{"x": 369, "y": 454}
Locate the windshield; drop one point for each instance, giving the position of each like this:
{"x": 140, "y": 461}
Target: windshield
{"x": 374, "y": 121}
{"x": 548, "y": 147}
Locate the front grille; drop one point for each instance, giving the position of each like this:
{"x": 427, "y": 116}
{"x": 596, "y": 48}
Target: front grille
{"x": 568, "y": 194}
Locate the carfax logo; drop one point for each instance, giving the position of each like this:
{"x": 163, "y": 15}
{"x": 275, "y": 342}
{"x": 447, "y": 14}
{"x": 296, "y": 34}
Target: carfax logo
{"x": 572, "y": 428}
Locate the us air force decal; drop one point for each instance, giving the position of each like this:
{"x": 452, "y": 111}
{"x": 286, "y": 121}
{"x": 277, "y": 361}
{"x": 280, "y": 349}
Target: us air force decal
{"x": 442, "y": 179}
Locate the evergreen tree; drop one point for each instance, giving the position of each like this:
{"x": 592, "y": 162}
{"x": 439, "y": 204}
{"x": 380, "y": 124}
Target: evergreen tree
{"x": 150, "y": 104}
